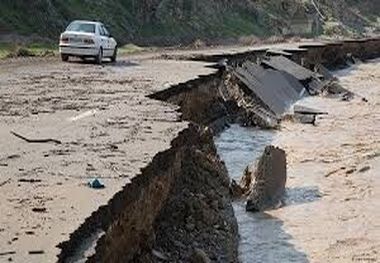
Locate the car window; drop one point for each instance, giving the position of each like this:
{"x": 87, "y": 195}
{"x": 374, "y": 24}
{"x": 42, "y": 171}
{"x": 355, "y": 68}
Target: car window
{"x": 81, "y": 27}
{"x": 105, "y": 31}
{"x": 101, "y": 31}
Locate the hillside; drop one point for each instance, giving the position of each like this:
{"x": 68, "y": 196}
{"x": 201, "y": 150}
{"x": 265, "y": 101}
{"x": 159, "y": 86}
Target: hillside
{"x": 168, "y": 22}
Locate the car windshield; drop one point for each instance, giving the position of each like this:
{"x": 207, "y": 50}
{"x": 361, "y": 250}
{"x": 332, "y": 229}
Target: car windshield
{"x": 81, "y": 27}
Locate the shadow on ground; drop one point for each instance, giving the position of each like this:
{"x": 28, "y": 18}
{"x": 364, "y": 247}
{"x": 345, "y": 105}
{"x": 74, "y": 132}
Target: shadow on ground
{"x": 108, "y": 63}
{"x": 301, "y": 195}
{"x": 263, "y": 239}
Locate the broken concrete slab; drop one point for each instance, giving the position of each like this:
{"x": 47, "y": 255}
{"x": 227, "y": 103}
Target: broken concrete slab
{"x": 324, "y": 72}
{"x": 333, "y": 88}
{"x": 306, "y": 115}
{"x": 300, "y": 109}
{"x": 269, "y": 180}
{"x": 277, "y": 90}
{"x": 284, "y": 64}
{"x": 315, "y": 86}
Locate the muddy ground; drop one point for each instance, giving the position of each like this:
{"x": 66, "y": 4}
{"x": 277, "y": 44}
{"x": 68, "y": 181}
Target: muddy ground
{"x": 109, "y": 129}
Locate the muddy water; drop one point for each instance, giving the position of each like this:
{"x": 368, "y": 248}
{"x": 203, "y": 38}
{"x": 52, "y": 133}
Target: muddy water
{"x": 262, "y": 238}
{"x": 332, "y": 206}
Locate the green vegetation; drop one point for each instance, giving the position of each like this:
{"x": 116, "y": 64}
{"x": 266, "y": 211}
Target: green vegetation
{"x": 8, "y": 50}
{"x": 172, "y": 22}
{"x": 130, "y": 49}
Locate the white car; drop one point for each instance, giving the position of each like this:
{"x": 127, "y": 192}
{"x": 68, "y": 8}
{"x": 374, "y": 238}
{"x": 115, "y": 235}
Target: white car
{"x": 87, "y": 39}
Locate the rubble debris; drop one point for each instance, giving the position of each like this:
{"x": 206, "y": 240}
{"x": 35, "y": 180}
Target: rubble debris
{"x": 306, "y": 115}
{"x": 269, "y": 180}
{"x": 36, "y": 140}
{"x": 277, "y": 90}
{"x": 335, "y": 89}
{"x": 247, "y": 181}
{"x": 315, "y": 86}
{"x": 327, "y": 75}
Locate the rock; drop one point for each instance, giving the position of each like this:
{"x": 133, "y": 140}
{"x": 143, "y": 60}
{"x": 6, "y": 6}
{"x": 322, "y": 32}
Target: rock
{"x": 269, "y": 181}
{"x": 305, "y": 118}
{"x": 96, "y": 184}
{"x": 199, "y": 256}
{"x": 247, "y": 181}
{"x": 236, "y": 190}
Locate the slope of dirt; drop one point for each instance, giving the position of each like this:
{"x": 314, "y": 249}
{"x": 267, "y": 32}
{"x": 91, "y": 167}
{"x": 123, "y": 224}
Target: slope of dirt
{"x": 168, "y": 22}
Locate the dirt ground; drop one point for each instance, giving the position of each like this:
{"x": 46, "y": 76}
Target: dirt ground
{"x": 109, "y": 130}
{"x": 333, "y": 211}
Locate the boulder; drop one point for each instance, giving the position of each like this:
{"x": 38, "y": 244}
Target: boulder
{"x": 268, "y": 181}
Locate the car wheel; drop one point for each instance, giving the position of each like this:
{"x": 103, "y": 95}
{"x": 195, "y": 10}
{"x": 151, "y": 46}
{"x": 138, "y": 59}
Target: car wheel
{"x": 99, "y": 57}
{"x": 114, "y": 56}
{"x": 65, "y": 57}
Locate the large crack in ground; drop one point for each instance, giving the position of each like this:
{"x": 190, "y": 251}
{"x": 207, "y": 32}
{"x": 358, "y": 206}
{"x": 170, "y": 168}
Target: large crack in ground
{"x": 179, "y": 206}
{"x": 217, "y": 101}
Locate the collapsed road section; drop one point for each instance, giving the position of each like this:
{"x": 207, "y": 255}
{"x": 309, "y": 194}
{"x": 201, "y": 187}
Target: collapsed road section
{"x": 113, "y": 121}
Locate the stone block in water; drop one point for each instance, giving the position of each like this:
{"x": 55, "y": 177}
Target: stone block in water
{"x": 269, "y": 180}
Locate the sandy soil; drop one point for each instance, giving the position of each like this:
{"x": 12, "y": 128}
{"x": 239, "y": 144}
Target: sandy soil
{"x": 333, "y": 213}
{"x": 109, "y": 130}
